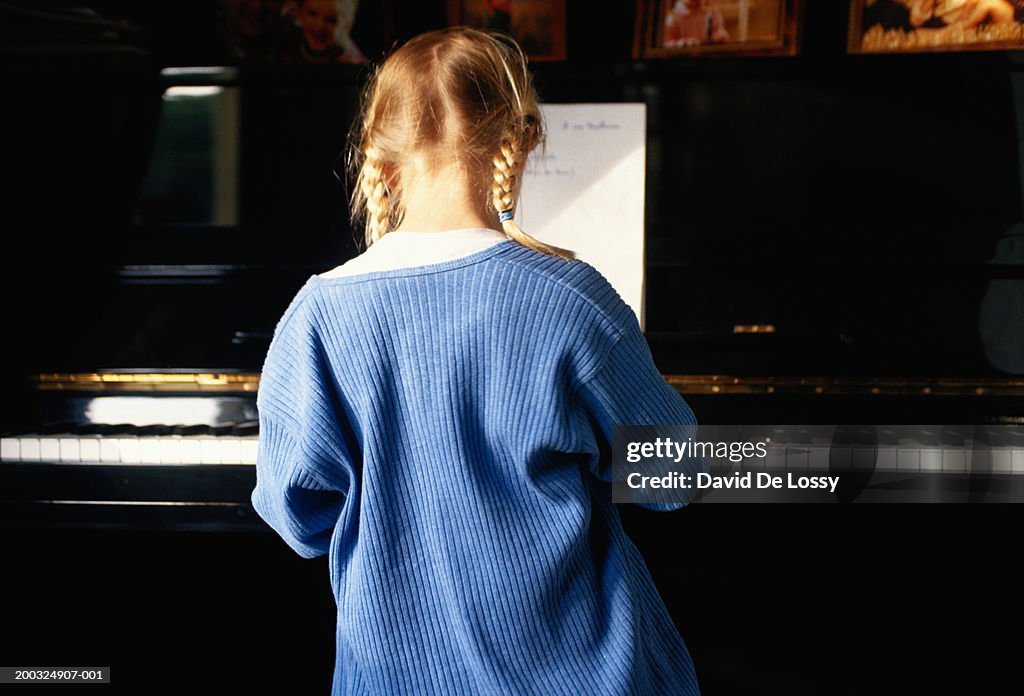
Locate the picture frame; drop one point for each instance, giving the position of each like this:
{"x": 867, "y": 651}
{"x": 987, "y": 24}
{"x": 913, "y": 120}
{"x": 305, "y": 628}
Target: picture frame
{"x": 668, "y": 28}
{"x": 294, "y": 32}
{"x": 538, "y": 25}
{"x": 916, "y": 26}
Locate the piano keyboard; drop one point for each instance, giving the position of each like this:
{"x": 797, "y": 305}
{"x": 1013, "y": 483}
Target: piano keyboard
{"x": 153, "y": 445}
{"x": 68, "y": 449}
{"x": 909, "y": 459}
{"x": 237, "y": 444}
{"x": 899, "y": 449}
{"x": 201, "y": 476}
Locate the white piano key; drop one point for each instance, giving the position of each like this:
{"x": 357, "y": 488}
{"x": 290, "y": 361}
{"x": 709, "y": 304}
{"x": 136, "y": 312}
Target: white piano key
{"x": 751, "y": 464}
{"x": 908, "y": 459}
{"x": 230, "y": 450}
{"x": 978, "y": 461}
{"x": 841, "y": 457}
{"x": 954, "y": 459}
{"x": 818, "y": 458}
{"x": 10, "y": 449}
{"x": 170, "y": 450}
{"x": 249, "y": 446}
{"x": 775, "y": 458}
{"x": 30, "y": 449}
{"x": 129, "y": 450}
{"x": 888, "y": 459}
{"x": 190, "y": 451}
{"x": 149, "y": 450}
{"x": 1017, "y": 460}
{"x": 90, "y": 449}
{"x": 110, "y": 450}
{"x": 49, "y": 449}
{"x": 209, "y": 450}
{"x": 70, "y": 453}
{"x": 1002, "y": 460}
{"x": 797, "y": 458}
{"x": 930, "y": 459}
{"x": 864, "y": 458}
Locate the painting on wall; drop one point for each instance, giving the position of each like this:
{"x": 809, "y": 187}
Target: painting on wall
{"x": 296, "y": 32}
{"x": 907, "y": 26}
{"x": 668, "y": 28}
{"x": 538, "y": 25}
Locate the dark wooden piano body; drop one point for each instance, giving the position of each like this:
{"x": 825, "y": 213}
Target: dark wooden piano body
{"x": 864, "y": 208}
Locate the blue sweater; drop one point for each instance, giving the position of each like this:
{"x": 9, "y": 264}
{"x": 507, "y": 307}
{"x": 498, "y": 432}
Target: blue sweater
{"x": 442, "y": 432}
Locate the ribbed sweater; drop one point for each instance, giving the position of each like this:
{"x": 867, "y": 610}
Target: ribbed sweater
{"x": 443, "y": 431}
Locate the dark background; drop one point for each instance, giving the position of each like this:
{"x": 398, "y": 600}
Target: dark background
{"x": 853, "y": 201}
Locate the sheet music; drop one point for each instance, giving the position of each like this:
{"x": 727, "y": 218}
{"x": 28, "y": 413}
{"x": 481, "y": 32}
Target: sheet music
{"x": 585, "y": 190}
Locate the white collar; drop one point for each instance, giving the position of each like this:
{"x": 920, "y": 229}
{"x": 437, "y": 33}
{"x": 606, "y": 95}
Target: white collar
{"x": 410, "y": 249}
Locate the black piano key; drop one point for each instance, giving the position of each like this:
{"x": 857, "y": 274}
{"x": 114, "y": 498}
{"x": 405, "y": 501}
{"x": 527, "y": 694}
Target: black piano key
{"x": 927, "y": 436}
{"x": 191, "y": 430}
{"x": 121, "y": 429}
{"x": 888, "y": 436}
{"x": 152, "y": 430}
{"x": 246, "y": 429}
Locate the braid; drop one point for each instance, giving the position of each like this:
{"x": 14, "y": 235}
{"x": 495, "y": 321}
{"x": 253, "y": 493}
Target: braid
{"x": 376, "y": 197}
{"x": 503, "y": 189}
{"x": 503, "y": 186}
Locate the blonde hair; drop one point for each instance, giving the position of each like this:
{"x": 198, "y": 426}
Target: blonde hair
{"x": 463, "y": 93}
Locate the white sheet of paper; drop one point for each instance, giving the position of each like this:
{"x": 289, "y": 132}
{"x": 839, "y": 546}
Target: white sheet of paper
{"x": 585, "y": 191}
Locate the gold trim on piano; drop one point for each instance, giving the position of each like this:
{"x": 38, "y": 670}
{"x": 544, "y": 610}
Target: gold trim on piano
{"x": 869, "y": 386}
{"x": 150, "y": 381}
{"x": 753, "y": 328}
{"x": 248, "y": 382}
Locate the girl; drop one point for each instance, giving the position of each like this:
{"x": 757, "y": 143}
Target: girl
{"x": 436, "y": 414}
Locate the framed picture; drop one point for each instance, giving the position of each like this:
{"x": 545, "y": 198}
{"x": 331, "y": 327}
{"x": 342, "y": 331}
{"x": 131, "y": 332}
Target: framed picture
{"x": 906, "y": 26}
{"x": 300, "y": 32}
{"x": 695, "y": 27}
{"x": 538, "y": 25}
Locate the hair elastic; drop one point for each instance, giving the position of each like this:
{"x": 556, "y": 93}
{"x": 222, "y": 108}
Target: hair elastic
{"x": 505, "y": 215}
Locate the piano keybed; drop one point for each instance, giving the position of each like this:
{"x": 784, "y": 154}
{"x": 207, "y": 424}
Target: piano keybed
{"x": 935, "y": 449}
{"x": 125, "y": 444}
{"x": 894, "y": 463}
{"x": 88, "y": 468}
{"x": 236, "y": 445}
{"x": 185, "y": 477}
{"x": 908, "y": 460}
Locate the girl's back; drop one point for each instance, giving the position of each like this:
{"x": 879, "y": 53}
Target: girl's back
{"x": 441, "y": 430}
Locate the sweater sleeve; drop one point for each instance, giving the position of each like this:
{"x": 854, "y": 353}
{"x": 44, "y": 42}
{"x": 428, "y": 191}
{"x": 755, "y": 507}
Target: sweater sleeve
{"x": 627, "y": 389}
{"x": 303, "y": 466}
